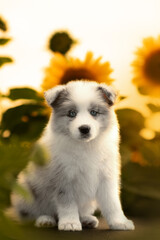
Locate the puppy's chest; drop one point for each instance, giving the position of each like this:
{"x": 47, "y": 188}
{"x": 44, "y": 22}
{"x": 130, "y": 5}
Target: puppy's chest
{"x": 86, "y": 180}
{"x": 83, "y": 172}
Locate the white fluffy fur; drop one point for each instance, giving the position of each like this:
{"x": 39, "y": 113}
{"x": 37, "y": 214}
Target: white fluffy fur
{"x": 81, "y": 170}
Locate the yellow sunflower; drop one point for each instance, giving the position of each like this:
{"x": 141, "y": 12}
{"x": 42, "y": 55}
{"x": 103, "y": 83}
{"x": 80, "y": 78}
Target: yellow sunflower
{"x": 63, "y": 70}
{"x": 146, "y": 67}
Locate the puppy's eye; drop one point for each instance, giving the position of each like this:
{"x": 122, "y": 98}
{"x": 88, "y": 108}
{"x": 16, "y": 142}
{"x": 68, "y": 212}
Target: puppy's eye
{"x": 93, "y": 113}
{"x": 72, "y": 113}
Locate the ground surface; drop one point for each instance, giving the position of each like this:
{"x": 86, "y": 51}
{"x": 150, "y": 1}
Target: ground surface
{"x": 145, "y": 230}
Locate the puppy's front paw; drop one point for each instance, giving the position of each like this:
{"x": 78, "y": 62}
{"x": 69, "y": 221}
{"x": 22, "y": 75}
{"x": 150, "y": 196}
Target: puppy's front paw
{"x": 122, "y": 225}
{"x": 89, "y": 222}
{"x": 45, "y": 221}
{"x": 70, "y": 226}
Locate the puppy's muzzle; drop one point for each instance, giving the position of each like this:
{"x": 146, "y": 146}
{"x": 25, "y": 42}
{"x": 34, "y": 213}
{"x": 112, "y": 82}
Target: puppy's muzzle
{"x": 85, "y": 131}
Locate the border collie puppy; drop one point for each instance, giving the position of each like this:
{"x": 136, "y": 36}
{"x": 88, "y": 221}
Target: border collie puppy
{"x": 83, "y": 165}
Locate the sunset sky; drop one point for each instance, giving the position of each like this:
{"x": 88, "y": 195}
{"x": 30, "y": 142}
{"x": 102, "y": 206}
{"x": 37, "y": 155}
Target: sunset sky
{"x": 112, "y": 29}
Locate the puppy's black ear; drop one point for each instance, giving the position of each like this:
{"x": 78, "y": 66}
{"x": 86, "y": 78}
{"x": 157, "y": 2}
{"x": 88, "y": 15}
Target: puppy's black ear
{"x": 108, "y": 93}
{"x": 55, "y": 95}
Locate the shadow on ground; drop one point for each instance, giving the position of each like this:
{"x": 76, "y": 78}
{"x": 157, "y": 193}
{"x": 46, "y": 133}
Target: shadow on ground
{"x": 145, "y": 230}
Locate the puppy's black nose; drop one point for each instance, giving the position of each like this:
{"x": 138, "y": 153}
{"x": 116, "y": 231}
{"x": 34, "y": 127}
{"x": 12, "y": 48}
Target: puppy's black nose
{"x": 84, "y": 129}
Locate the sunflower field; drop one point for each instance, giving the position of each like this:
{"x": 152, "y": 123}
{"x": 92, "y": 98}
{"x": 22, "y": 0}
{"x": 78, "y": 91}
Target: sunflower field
{"x": 22, "y": 124}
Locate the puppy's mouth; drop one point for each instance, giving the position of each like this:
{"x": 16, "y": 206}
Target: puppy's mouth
{"x": 85, "y": 136}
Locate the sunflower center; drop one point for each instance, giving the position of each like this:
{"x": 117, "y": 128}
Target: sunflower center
{"x": 152, "y": 67}
{"x": 77, "y": 74}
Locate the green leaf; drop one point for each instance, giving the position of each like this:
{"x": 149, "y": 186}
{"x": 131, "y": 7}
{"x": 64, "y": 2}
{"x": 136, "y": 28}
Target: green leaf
{"x": 24, "y": 93}
{"x": 27, "y": 121}
{"x": 131, "y": 122}
{"x": 153, "y": 108}
{"x": 130, "y": 118}
{"x": 12, "y": 153}
{"x": 139, "y": 206}
{"x": 14, "y": 156}
{"x": 3, "y": 25}
{"x": 122, "y": 98}
{"x": 9, "y": 229}
{"x": 39, "y": 155}
{"x": 150, "y": 151}
{"x": 3, "y": 41}
{"x": 60, "y": 42}
{"x": 143, "y": 181}
{"x": 22, "y": 191}
{"x": 143, "y": 90}
{"x": 4, "y": 60}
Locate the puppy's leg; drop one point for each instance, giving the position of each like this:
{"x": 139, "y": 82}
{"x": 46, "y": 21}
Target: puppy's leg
{"x": 67, "y": 211}
{"x": 89, "y": 221}
{"x": 45, "y": 221}
{"x": 86, "y": 218}
{"x": 108, "y": 199}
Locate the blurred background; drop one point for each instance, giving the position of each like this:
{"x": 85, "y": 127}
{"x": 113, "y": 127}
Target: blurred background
{"x": 45, "y": 43}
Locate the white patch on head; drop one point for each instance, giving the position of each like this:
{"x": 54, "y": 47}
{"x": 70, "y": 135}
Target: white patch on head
{"x": 82, "y": 92}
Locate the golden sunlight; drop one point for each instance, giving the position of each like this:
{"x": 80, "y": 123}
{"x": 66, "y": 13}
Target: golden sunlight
{"x": 154, "y": 122}
{"x": 147, "y": 133}
{"x": 110, "y": 30}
